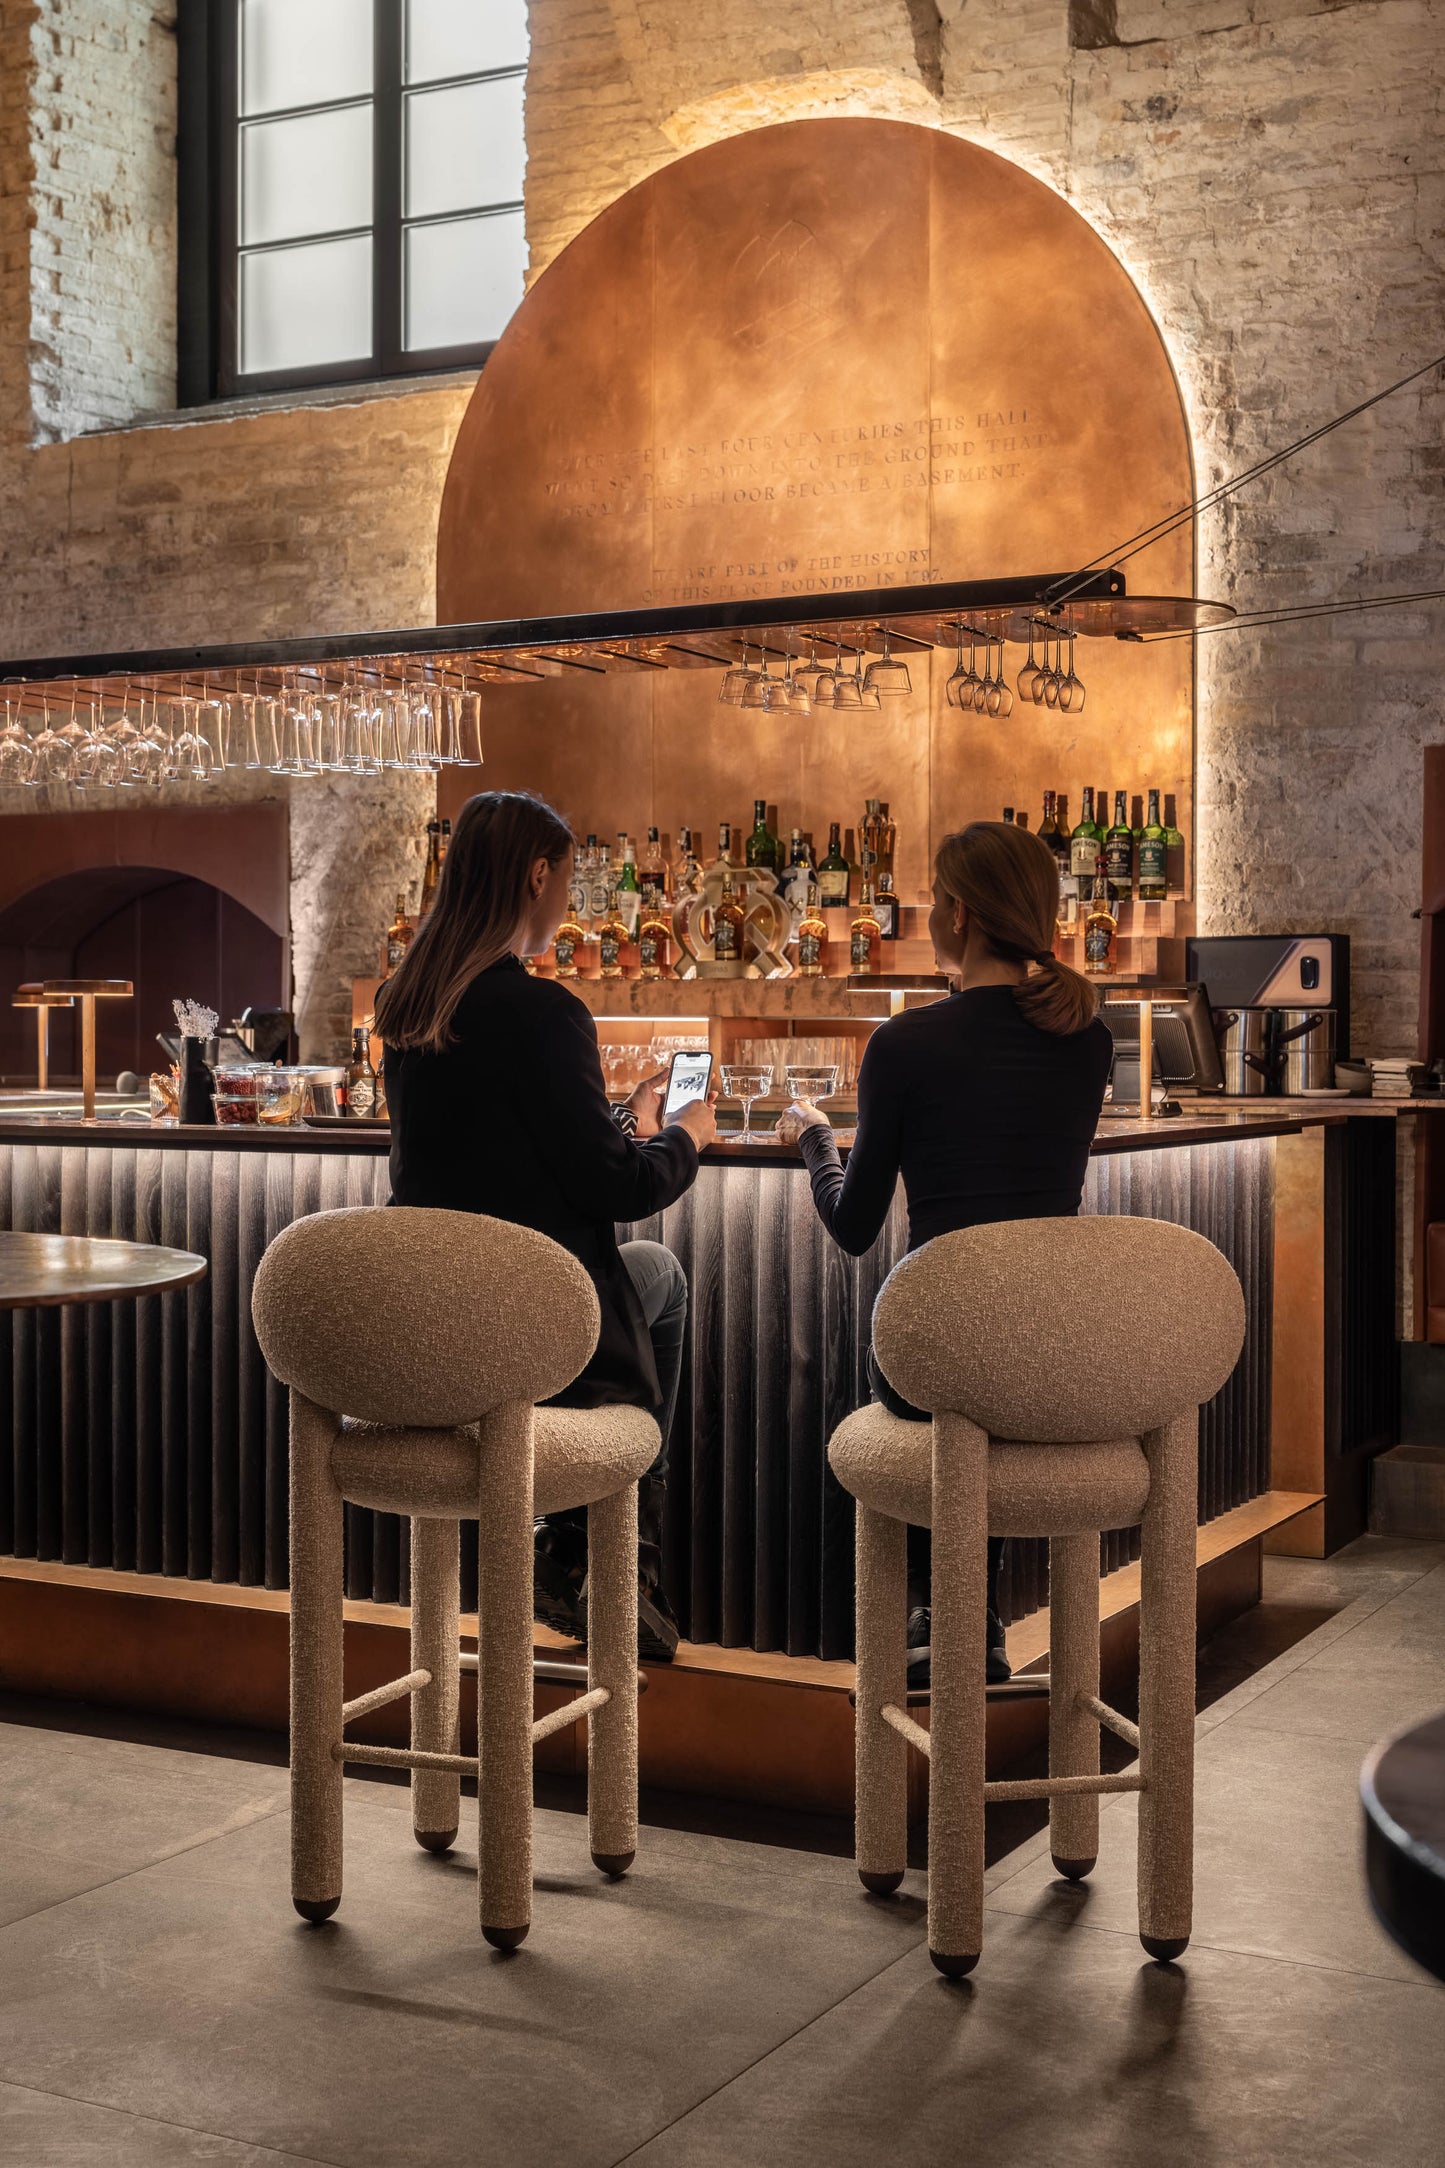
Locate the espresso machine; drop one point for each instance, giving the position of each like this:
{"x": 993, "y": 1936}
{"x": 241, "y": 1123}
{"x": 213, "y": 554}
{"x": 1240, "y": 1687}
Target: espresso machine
{"x": 1281, "y": 1005}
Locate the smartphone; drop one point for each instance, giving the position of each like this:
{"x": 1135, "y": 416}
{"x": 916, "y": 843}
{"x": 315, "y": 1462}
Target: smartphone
{"x": 688, "y": 1079}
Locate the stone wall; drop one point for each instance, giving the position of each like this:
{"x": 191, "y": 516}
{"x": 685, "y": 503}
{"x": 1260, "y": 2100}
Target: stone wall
{"x": 1269, "y": 170}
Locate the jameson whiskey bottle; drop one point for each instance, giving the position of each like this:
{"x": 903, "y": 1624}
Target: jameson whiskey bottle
{"x": 612, "y": 938}
{"x": 762, "y": 847}
{"x": 812, "y": 937}
{"x": 727, "y": 925}
{"x": 399, "y": 937}
{"x": 1100, "y": 927}
{"x": 433, "y": 871}
{"x": 360, "y": 1076}
{"x": 1119, "y": 848}
{"x": 654, "y": 932}
{"x": 1084, "y": 842}
{"x": 1153, "y": 856}
{"x": 571, "y": 937}
{"x": 629, "y": 895}
{"x": 865, "y": 933}
{"x": 885, "y": 907}
{"x": 1052, "y": 833}
{"x": 834, "y": 883}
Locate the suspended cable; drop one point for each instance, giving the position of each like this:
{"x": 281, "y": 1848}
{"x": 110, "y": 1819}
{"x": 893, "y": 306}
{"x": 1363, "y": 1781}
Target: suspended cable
{"x": 1171, "y": 521}
{"x": 1297, "y": 614}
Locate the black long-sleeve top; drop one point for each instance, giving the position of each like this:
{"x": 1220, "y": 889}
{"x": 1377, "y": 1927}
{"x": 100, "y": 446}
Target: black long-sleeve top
{"x": 983, "y": 1115}
{"x": 512, "y": 1120}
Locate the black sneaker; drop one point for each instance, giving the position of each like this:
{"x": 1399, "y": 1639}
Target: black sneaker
{"x": 997, "y": 1670}
{"x": 557, "y": 1584}
{"x": 658, "y": 1632}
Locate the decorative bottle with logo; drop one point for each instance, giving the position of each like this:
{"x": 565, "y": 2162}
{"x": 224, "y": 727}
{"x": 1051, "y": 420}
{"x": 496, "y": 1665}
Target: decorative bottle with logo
{"x": 629, "y": 895}
{"x": 571, "y": 937}
{"x": 399, "y": 937}
{"x": 654, "y": 931}
{"x": 865, "y": 933}
{"x": 1153, "y": 856}
{"x": 1085, "y": 841}
{"x": 360, "y": 1076}
{"x": 877, "y": 835}
{"x": 652, "y": 867}
{"x": 812, "y": 937}
{"x": 762, "y": 848}
{"x": 885, "y": 908}
{"x": 1173, "y": 848}
{"x": 601, "y": 882}
{"x": 834, "y": 880}
{"x": 1100, "y": 927}
{"x": 727, "y": 925}
{"x": 433, "y": 872}
{"x": 1052, "y": 834}
{"x": 795, "y": 880}
{"x": 1119, "y": 848}
{"x": 612, "y": 938}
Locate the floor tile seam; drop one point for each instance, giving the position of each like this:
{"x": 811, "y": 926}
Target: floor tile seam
{"x": 168, "y": 2122}
{"x": 1232, "y": 1949}
{"x": 1291, "y": 1660}
{"x": 148, "y": 1866}
{"x": 1362, "y": 1741}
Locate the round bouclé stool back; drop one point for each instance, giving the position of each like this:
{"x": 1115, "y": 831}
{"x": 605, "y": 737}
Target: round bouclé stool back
{"x": 419, "y": 1318}
{"x": 1061, "y": 1330}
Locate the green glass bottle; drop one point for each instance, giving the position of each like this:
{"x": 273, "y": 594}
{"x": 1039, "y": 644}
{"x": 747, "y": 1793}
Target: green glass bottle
{"x": 1119, "y": 848}
{"x": 1085, "y": 842}
{"x": 1153, "y": 861}
{"x": 835, "y": 874}
{"x": 629, "y": 894}
{"x": 1173, "y": 848}
{"x": 762, "y": 845}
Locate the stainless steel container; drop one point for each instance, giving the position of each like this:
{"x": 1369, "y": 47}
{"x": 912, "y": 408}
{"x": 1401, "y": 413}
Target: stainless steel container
{"x": 1304, "y": 1049}
{"x": 1244, "y": 1050}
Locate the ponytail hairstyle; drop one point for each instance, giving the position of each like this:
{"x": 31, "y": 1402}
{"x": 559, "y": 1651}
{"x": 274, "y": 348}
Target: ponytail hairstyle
{"x": 1008, "y": 881}
{"x": 480, "y": 899}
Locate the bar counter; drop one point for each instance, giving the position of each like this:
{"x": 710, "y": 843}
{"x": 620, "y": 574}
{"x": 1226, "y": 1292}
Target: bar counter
{"x": 150, "y": 1439}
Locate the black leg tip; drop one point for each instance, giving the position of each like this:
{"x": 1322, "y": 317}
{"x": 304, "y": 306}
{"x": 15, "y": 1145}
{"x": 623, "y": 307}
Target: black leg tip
{"x": 953, "y": 1968}
{"x": 316, "y": 1909}
{"x": 435, "y": 1840}
{"x": 881, "y": 1885}
{"x": 1073, "y": 1870}
{"x": 1165, "y": 1948}
{"x": 505, "y": 1938}
{"x": 613, "y": 1864}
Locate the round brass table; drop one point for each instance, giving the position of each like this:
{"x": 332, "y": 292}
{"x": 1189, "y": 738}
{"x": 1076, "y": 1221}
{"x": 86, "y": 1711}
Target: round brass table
{"x": 44, "y": 1271}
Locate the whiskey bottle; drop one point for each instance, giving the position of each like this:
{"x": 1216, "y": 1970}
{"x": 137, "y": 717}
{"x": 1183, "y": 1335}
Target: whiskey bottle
{"x": 654, "y": 931}
{"x": 1053, "y": 834}
{"x": 1084, "y": 842}
{"x": 629, "y": 896}
{"x": 877, "y": 836}
{"x": 762, "y": 848}
{"x": 612, "y": 938}
{"x": 724, "y": 843}
{"x": 865, "y": 933}
{"x": 834, "y": 881}
{"x": 794, "y": 881}
{"x": 1153, "y": 856}
{"x": 1119, "y": 848}
{"x": 652, "y": 867}
{"x": 599, "y": 890}
{"x": 727, "y": 925}
{"x": 571, "y": 939}
{"x": 1100, "y": 927}
{"x": 812, "y": 937}
{"x": 687, "y": 872}
{"x": 885, "y": 908}
{"x": 360, "y": 1076}
{"x": 433, "y": 872}
{"x": 399, "y": 937}
{"x": 1173, "y": 849}
{"x": 1008, "y": 816}
{"x": 446, "y": 841}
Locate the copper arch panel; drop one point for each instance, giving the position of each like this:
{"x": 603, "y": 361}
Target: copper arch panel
{"x": 828, "y": 354}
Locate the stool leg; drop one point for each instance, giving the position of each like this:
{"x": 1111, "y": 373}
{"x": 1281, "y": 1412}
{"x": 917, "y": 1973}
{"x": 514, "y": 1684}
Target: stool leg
{"x": 504, "y": 1677}
{"x": 436, "y": 1794}
{"x": 956, "y": 1728}
{"x": 1073, "y": 1670}
{"x": 880, "y": 1755}
{"x": 316, "y": 1664}
{"x": 612, "y": 1662}
{"x": 1166, "y": 1690}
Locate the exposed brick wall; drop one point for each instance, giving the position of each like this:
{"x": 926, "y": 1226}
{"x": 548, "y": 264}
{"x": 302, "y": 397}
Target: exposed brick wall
{"x": 1269, "y": 170}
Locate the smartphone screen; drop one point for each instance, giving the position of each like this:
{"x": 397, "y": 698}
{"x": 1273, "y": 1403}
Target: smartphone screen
{"x": 689, "y": 1079}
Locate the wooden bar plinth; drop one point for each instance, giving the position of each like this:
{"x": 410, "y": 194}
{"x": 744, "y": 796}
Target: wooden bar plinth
{"x": 738, "y": 1724}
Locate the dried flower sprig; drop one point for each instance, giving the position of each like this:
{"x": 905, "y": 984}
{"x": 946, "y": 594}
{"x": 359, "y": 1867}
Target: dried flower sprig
{"x": 195, "y": 1020}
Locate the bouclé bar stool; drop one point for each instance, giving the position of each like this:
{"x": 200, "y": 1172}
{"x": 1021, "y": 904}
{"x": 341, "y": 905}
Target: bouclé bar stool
{"x": 416, "y": 1345}
{"x": 1064, "y": 1363}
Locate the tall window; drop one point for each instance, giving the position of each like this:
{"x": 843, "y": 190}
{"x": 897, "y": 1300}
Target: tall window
{"x": 351, "y": 171}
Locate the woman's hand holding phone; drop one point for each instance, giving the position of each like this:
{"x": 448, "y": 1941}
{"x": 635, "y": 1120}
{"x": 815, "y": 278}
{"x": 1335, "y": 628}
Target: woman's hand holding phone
{"x": 646, "y": 1103}
{"x": 699, "y": 1120}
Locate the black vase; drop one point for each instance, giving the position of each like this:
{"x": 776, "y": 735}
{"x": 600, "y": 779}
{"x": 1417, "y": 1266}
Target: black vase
{"x": 196, "y": 1100}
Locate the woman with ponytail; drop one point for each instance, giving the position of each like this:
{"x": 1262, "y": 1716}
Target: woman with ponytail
{"x": 985, "y": 1103}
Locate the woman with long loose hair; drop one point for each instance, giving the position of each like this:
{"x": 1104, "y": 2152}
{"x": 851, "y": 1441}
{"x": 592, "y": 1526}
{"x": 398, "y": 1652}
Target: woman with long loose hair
{"x": 984, "y": 1103}
{"x": 498, "y": 1105}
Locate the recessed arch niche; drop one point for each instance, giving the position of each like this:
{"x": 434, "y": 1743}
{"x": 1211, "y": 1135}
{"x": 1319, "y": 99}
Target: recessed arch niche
{"x": 829, "y": 354}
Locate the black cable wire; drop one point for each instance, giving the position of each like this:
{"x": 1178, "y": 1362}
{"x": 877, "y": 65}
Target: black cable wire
{"x": 1210, "y": 497}
{"x": 1297, "y": 614}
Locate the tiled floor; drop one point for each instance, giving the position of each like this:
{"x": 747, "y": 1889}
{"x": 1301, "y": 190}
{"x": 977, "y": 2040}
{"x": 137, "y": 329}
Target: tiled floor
{"x": 733, "y": 2003}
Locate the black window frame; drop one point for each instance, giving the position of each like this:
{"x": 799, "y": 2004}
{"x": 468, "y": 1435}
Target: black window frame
{"x": 209, "y": 252}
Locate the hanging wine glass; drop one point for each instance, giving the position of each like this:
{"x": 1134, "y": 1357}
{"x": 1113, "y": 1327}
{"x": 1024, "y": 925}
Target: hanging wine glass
{"x": 736, "y": 680}
{"x": 17, "y": 752}
{"x": 888, "y": 674}
{"x": 1071, "y": 686}
{"x": 1029, "y": 673}
{"x": 953, "y": 690}
{"x": 464, "y": 727}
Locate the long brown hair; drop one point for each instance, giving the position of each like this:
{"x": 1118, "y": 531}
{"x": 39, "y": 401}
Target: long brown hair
{"x": 1008, "y": 881}
{"x": 482, "y": 893}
